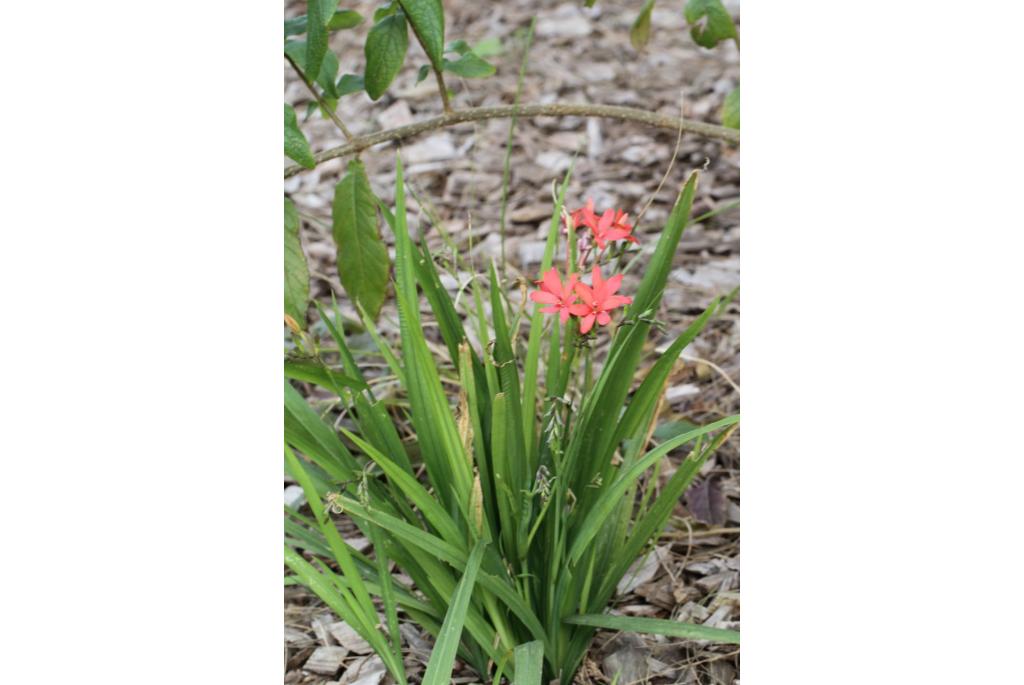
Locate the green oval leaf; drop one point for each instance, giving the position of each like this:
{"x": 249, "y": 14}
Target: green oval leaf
{"x": 296, "y": 49}
{"x": 385, "y": 49}
{"x": 295, "y": 145}
{"x": 731, "y": 110}
{"x": 709, "y": 22}
{"x": 640, "y": 33}
{"x": 362, "y": 256}
{"x": 469, "y": 66}
{"x": 350, "y": 83}
{"x": 316, "y": 35}
{"x": 427, "y": 19}
{"x": 344, "y": 19}
{"x": 296, "y": 271}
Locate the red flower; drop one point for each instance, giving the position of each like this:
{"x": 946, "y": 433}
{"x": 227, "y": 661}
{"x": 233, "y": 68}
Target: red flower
{"x": 613, "y": 226}
{"x": 598, "y": 299}
{"x": 553, "y": 293}
{"x": 584, "y": 216}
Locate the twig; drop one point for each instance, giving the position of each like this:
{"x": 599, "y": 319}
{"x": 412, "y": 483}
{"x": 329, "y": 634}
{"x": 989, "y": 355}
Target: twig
{"x": 671, "y": 163}
{"x": 557, "y": 109}
{"x": 323, "y": 104}
{"x": 716, "y": 367}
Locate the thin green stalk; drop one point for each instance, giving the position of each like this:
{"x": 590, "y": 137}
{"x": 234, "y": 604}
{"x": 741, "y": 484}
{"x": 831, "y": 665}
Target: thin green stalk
{"x": 506, "y": 173}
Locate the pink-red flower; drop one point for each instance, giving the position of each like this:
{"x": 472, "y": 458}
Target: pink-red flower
{"x": 613, "y": 226}
{"x": 560, "y": 298}
{"x": 585, "y": 216}
{"x": 597, "y": 300}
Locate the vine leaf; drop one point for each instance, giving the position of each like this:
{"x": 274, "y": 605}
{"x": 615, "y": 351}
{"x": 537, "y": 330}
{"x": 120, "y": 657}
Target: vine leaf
{"x": 731, "y": 110}
{"x": 427, "y": 19}
{"x": 709, "y": 22}
{"x": 344, "y": 19}
{"x": 317, "y": 14}
{"x": 296, "y": 271}
{"x": 295, "y": 145}
{"x": 640, "y": 33}
{"x": 469, "y": 64}
{"x": 362, "y": 257}
{"x": 385, "y": 49}
{"x": 297, "y": 50}
{"x": 350, "y": 83}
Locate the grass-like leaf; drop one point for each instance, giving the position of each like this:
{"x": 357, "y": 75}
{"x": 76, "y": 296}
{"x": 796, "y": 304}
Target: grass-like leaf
{"x": 439, "y": 669}
{"x": 656, "y": 626}
{"x": 529, "y": 659}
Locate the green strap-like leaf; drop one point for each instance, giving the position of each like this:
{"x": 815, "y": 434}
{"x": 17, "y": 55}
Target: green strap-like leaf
{"x": 427, "y": 19}
{"x": 529, "y": 659}
{"x": 314, "y": 371}
{"x": 295, "y": 145}
{"x": 296, "y": 271}
{"x": 385, "y": 49}
{"x": 716, "y": 26}
{"x": 362, "y": 256}
{"x": 612, "y": 495}
{"x": 656, "y": 626}
{"x": 439, "y": 669}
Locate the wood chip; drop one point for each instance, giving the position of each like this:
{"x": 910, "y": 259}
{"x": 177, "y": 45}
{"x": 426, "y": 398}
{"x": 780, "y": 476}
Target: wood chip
{"x": 367, "y": 670}
{"x": 326, "y": 660}
{"x": 348, "y": 638}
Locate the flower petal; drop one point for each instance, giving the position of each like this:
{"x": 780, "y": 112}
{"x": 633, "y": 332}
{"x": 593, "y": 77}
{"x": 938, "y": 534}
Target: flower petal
{"x": 603, "y": 319}
{"x": 544, "y": 297}
{"x": 614, "y": 301}
{"x": 552, "y": 282}
{"x": 612, "y": 284}
{"x": 586, "y": 323}
{"x": 585, "y": 293}
{"x": 579, "y": 309}
{"x": 564, "y": 314}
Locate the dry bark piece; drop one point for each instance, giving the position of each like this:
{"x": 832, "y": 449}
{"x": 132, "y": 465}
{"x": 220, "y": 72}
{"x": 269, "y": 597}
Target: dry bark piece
{"x": 298, "y": 638}
{"x": 367, "y": 670}
{"x": 348, "y": 638}
{"x": 644, "y": 570}
{"x": 627, "y": 656}
{"x": 706, "y": 502}
{"x": 326, "y": 660}
{"x": 321, "y": 628}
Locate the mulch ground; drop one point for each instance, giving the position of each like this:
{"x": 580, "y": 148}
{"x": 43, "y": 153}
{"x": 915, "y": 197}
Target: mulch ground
{"x": 578, "y": 55}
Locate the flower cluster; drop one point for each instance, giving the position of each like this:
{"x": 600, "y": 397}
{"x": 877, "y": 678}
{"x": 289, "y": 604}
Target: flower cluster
{"x": 610, "y": 226}
{"x": 572, "y": 297}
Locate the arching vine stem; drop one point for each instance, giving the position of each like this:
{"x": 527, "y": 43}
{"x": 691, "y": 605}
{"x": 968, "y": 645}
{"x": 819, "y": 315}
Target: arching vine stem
{"x": 557, "y": 109}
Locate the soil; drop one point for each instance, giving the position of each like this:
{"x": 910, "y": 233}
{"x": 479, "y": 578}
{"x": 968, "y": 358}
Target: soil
{"x": 577, "y": 55}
